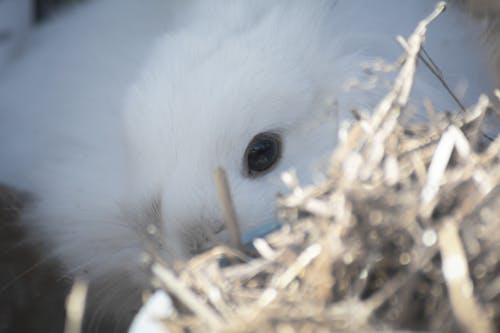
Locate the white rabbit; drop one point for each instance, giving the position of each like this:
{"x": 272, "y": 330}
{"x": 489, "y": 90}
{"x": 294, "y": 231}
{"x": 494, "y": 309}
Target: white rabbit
{"x": 117, "y": 115}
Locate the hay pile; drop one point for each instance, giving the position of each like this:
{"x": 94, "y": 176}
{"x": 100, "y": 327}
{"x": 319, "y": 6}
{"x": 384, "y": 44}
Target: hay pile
{"x": 403, "y": 235}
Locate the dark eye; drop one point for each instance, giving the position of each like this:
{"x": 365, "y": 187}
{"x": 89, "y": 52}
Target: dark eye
{"x": 262, "y": 153}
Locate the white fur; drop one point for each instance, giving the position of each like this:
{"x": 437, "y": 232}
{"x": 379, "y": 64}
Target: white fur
{"x": 193, "y": 83}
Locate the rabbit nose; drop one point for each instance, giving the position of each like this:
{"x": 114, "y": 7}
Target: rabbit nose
{"x": 191, "y": 226}
{"x": 189, "y": 239}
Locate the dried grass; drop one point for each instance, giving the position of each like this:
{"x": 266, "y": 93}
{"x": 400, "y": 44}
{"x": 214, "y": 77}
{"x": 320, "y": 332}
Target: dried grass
{"x": 403, "y": 235}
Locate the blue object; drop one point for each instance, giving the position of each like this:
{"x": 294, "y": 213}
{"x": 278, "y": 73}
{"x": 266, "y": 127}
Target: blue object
{"x": 258, "y": 232}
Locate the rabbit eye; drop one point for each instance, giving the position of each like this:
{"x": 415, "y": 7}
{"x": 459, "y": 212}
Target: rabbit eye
{"x": 262, "y": 154}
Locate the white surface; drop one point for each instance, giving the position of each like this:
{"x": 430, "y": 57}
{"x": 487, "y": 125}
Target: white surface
{"x": 159, "y": 307}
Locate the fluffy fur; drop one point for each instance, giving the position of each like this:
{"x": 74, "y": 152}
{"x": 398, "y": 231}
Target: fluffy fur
{"x": 117, "y": 115}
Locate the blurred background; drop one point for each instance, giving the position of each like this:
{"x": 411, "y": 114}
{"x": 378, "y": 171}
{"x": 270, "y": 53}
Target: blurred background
{"x": 17, "y": 16}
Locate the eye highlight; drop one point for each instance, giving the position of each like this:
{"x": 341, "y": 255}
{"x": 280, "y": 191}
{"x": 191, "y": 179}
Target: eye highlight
{"x": 262, "y": 154}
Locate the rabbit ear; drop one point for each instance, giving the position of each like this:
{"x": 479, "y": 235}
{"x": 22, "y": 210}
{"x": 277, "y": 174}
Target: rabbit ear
{"x": 15, "y": 21}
